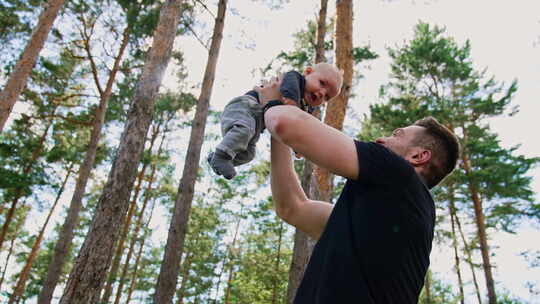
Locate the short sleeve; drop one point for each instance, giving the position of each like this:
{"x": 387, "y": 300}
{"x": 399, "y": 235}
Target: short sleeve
{"x": 379, "y": 165}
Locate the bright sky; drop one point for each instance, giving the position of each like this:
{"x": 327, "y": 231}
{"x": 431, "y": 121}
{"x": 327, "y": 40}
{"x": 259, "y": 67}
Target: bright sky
{"x": 505, "y": 38}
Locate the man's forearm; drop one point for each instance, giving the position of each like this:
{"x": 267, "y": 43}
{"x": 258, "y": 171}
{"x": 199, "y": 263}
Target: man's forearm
{"x": 287, "y": 193}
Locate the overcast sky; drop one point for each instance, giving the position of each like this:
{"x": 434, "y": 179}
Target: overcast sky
{"x": 505, "y": 39}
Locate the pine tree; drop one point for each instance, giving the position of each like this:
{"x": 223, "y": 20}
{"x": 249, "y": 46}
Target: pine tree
{"x": 19, "y": 76}
{"x": 87, "y": 276}
{"x": 168, "y": 274}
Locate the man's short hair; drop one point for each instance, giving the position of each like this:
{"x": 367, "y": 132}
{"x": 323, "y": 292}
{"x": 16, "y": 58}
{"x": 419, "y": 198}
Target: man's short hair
{"x": 444, "y": 147}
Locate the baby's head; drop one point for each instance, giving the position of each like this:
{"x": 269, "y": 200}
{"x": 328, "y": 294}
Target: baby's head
{"x": 323, "y": 82}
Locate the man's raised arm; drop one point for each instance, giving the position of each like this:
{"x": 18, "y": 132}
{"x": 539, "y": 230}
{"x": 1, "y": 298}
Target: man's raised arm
{"x": 289, "y": 198}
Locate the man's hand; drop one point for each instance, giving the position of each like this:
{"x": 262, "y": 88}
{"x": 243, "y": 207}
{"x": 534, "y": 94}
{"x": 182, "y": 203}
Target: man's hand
{"x": 269, "y": 90}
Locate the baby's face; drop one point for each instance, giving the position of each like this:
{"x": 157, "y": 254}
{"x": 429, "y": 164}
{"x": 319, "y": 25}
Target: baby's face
{"x": 321, "y": 85}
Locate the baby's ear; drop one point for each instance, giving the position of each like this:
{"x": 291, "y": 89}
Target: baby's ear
{"x": 308, "y": 70}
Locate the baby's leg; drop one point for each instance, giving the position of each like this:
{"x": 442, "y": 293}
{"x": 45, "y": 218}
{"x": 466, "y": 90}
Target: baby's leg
{"x": 245, "y": 156}
{"x": 238, "y": 127}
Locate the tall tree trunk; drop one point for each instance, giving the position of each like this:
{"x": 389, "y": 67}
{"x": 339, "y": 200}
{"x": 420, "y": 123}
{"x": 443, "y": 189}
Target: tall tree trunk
{"x": 17, "y": 294}
{"x": 65, "y": 239}
{"x": 229, "y": 286}
{"x": 185, "y": 273}
{"x": 119, "y": 252}
{"x": 452, "y": 210}
{"x": 18, "y": 191}
{"x": 481, "y": 226}
{"x": 138, "y": 226}
{"x": 90, "y": 269}
{"x": 427, "y": 288}
{"x": 18, "y": 78}
{"x": 278, "y": 260}
{"x": 11, "y": 247}
{"x": 321, "y": 32}
{"x": 303, "y": 245}
{"x": 229, "y": 254}
{"x": 168, "y": 274}
{"x": 469, "y": 259}
{"x": 139, "y": 255}
{"x": 335, "y": 110}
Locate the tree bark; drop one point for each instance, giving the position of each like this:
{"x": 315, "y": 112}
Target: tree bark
{"x": 229, "y": 254}
{"x": 321, "y": 32}
{"x": 427, "y": 288}
{"x": 89, "y": 272}
{"x": 278, "y": 260}
{"x": 65, "y": 239}
{"x": 335, "y": 110}
{"x": 119, "y": 252}
{"x": 17, "y": 294}
{"x": 481, "y": 227}
{"x": 229, "y": 285}
{"x": 169, "y": 270}
{"x": 18, "y": 78}
{"x": 139, "y": 255}
{"x": 185, "y": 274}
{"x": 138, "y": 226}
{"x": 469, "y": 259}
{"x": 452, "y": 210}
{"x": 11, "y": 247}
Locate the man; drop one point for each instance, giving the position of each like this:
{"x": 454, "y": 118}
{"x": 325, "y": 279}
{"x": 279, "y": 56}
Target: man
{"x": 374, "y": 243}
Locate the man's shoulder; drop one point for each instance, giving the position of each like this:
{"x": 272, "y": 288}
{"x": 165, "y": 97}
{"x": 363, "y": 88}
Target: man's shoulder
{"x": 380, "y": 165}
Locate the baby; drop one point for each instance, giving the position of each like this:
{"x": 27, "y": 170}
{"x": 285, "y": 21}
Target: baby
{"x": 242, "y": 120}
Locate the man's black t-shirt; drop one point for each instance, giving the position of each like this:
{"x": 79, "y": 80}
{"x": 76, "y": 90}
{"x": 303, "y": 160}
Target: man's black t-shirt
{"x": 376, "y": 245}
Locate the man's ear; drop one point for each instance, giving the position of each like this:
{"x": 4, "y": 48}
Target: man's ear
{"x": 308, "y": 70}
{"x": 420, "y": 156}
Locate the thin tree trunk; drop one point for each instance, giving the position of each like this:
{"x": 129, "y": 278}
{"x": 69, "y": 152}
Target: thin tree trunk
{"x": 303, "y": 245}
{"x": 481, "y": 226}
{"x": 229, "y": 254}
{"x": 229, "y": 286}
{"x": 278, "y": 260}
{"x": 17, "y": 294}
{"x": 138, "y": 225}
{"x": 469, "y": 259}
{"x": 90, "y": 269}
{"x": 119, "y": 252}
{"x": 139, "y": 255}
{"x": 18, "y": 191}
{"x": 11, "y": 247}
{"x": 335, "y": 110}
{"x": 427, "y": 288}
{"x": 18, "y": 78}
{"x": 65, "y": 239}
{"x": 455, "y": 246}
{"x": 321, "y": 32}
{"x": 127, "y": 224}
{"x": 168, "y": 274}
{"x": 185, "y": 273}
